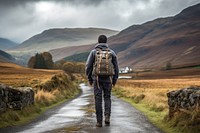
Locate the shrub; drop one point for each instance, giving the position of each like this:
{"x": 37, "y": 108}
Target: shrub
{"x": 41, "y": 61}
{"x": 45, "y": 98}
{"x": 168, "y": 66}
{"x": 139, "y": 98}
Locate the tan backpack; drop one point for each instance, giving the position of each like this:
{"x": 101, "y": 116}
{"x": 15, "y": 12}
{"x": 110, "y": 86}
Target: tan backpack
{"x": 103, "y": 65}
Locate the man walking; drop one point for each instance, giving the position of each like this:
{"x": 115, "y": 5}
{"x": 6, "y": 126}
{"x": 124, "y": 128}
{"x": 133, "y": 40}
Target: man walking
{"x": 102, "y": 71}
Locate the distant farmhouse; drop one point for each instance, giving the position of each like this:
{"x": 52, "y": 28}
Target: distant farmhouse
{"x": 125, "y": 70}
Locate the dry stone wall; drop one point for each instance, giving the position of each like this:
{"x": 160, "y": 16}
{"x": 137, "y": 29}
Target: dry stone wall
{"x": 183, "y": 99}
{"x": 15, "y": 98}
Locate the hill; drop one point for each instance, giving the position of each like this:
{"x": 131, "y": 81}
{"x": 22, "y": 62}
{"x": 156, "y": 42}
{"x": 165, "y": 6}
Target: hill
{"x": 6, "y": 44}
{"x": 154, "y": 44}
{"x": 82, "y": 57}
{"x": 5, "y": 57}
{"x": 65, "y": 52}
{"x": 57, "y": 38}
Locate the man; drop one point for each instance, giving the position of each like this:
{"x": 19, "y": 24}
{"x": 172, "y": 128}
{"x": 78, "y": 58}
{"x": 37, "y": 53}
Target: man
{"x": 102, "y": 71}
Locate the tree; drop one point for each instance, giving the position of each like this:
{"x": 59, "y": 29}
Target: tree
{"x": 31, "y": 62}
{"x": 48, "y": 60}
{"x": 168, "y": 66}
{"x": 80, "y": 67}
{"x": 41, "y": 61}
{"x": 57, "y": 66}
{"x": 68, "y": 67}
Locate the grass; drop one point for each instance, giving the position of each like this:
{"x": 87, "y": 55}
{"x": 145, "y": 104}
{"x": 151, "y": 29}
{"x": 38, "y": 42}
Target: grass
{"x": 14, "y": 75}
{"x": 149, "y": 96}
{"x": 19, "y": 117}
{"x": 51, "y": 87}
{"x": 44, "y": 101}
{"x": 166, "y": 74}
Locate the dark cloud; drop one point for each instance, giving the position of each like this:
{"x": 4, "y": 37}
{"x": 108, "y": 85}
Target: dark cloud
{"x": 21, "y": 19}
{"x": 85, "y": 2}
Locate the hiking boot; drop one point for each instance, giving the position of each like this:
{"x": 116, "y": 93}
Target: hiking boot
{"x": 107, "y": 120}
{"x": 99, "y": 124}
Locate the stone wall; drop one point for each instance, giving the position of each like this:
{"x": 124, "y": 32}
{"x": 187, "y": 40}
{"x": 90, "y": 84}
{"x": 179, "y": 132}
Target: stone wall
{"x": 183, "y": 99}
{"x": 15, "y": 98}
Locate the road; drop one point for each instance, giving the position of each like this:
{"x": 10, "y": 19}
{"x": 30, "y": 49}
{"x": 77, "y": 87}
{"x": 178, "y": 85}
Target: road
{"x": 78, "y": 116}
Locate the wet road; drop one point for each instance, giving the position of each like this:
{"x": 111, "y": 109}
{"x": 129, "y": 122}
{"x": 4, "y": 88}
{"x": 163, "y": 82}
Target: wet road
{"x": 77, "y": 116}
{"x": 66, "y": 114}
{"x": 124, "y": 119}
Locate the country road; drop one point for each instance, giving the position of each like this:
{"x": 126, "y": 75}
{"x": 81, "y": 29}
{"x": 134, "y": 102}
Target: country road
{"x": 77, "y": 116}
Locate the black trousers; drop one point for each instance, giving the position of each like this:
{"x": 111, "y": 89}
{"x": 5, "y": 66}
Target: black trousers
{"x": 102, "y": 89}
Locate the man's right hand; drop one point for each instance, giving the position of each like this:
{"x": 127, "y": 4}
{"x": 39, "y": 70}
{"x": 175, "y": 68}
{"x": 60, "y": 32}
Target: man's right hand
{"x": 114, "y": 83}
{"x": 91, "y": 83}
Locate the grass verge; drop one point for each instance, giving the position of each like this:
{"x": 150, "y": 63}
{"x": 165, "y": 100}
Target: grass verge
{"x": 57, "y": 90}
{"x": 149, "y": 96}
{"x": 155, "y": 117}
{"x": 20, "y": 117}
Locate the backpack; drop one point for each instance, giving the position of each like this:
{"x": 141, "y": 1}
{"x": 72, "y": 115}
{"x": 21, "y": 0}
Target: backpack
{"x": 103, "y": 65}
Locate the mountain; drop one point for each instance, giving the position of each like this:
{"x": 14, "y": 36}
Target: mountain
{"x": 5, "y": 57}
{"x": 57, "y": 38}
{"x": 154, "y": 44}
{"x": 6, "y": 44}
{"x": 65, "y": 52}
{"x": 82, "y": 57}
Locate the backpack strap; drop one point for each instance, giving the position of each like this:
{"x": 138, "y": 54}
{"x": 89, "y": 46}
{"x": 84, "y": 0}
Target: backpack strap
{"x": 107, "y": 60}
{"x": 97, "y": 77}
{"x": 98, "y": 68}
{"x": 111, "y": 81}
{"x": 100, "y": 62}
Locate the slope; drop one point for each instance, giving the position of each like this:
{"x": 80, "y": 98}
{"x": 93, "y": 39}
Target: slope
{"x": 6, "y": 44}
{"x": 156, "y": 43}
{"x": 5, "y": 57}
{"x": 57, "y": 38}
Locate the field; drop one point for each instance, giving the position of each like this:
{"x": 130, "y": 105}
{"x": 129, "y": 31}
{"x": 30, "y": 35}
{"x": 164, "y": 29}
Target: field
{"x": 14, "y": 75}
{"x": 169, "y": 74}
{"x": 56, "y": 87}
{"x": 148, "y": 94}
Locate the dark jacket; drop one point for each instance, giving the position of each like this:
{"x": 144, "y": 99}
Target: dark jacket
{"x": 91, "y": 60}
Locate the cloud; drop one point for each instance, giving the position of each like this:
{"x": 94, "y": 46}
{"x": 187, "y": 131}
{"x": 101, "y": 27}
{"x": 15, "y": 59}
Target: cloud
{"x": 21, "y": 19}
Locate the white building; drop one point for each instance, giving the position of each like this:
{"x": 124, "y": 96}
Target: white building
{"x": 125, "y": 70}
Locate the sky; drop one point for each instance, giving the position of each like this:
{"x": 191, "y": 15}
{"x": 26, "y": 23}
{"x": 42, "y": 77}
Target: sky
{"x": 21, "y": 19}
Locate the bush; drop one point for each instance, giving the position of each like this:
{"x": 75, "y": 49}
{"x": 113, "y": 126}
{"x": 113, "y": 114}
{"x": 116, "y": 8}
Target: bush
{"x": 168, "y": 66}
{"x": 70, "y": 67}
{"x": 41, "y": 61}
{"x": 139, "y": 98}
{"x": 187, "y": 121}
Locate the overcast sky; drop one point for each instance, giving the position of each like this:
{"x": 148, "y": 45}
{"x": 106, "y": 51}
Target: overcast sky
{"x": 21, "y": 19}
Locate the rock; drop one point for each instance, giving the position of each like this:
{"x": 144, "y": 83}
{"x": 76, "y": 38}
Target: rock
{"x": 15, "y": 98}
{"x": 183, "y": 99}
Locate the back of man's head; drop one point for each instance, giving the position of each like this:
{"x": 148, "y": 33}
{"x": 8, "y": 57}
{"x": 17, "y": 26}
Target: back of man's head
{"x": 102, "y": 39}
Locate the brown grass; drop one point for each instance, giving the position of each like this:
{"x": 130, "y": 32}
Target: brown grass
{"x": 51, "y": 87}
{"x": 14, "y": 75}
{"x": 150, "y": 97}
{"x": 155, "y": 90}
{"x": 46, "y": 98}
{"x": 169, "y": 74}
